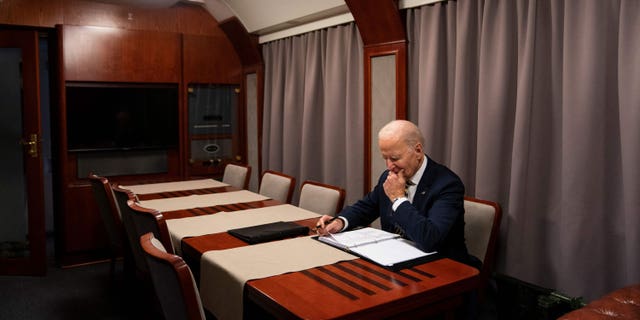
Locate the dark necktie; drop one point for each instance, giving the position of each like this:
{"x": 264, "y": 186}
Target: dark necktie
{"x": 407, "y": 184}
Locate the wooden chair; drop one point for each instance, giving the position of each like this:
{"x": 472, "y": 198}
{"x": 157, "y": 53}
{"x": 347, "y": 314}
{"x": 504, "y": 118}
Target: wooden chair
{"x": 277, "y": 185}
{"x": 321, "y": 198}
{"x": 237, "y": 175}
{"x": 110, "y": 216}
{"x": 482, "y": 224}
{"x": 173, "y": 281}
{"x": 139, "y": 279}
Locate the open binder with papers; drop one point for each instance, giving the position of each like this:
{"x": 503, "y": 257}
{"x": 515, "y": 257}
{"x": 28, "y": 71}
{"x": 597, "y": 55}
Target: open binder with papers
{"x": 381, "y": 247}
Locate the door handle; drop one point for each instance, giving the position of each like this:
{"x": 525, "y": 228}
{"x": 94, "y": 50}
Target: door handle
{"x": 31, "y": 144}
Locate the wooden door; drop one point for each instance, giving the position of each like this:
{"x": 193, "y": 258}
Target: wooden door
{"x": 22, "y": 231}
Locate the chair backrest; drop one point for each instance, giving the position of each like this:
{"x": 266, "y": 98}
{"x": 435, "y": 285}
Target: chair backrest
{"x": 172, "y": 280}
{"x": 150, "y": 220}
{"x": 109, "y": 212}
{"x": 237, "y": 175}
{"x": 277, "y": 185}
{"x": 321, "y": 198}
{"x": 482, "y": 223}
{"x": 123, "y": 196}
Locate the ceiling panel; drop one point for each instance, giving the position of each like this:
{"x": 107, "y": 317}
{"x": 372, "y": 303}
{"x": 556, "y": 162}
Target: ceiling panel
{"x": 264, "y": 16}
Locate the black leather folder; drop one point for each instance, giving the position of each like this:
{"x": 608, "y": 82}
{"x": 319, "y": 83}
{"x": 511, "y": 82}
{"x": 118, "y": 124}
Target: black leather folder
{"x": 269, "y": 232}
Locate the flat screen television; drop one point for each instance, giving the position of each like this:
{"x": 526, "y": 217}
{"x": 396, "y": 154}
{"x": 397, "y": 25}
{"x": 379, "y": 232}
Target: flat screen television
{"x": 117, "y": 117}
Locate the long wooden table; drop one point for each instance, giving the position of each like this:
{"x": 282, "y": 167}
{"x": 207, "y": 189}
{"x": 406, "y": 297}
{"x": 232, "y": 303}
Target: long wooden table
{"x": 355, "y": 289}
{"x": 350, "y": 289}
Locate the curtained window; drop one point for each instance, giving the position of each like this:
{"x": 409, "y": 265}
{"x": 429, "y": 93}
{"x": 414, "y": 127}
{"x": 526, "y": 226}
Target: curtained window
{"x": 535, "y": 104}
{"x": 313, "y": 108}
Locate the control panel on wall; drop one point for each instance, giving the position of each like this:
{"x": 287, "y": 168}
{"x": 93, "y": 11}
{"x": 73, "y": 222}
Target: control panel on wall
{"x": 213, "y": 123}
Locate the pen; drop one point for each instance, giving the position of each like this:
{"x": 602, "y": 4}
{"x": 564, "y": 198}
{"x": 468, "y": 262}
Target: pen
{"x": 326, "y": 222}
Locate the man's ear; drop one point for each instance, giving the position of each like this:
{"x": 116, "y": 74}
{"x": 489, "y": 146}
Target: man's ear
{"x": 418, "y": 148}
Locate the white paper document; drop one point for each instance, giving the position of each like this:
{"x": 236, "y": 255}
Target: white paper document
{"x": 382, "y": 247}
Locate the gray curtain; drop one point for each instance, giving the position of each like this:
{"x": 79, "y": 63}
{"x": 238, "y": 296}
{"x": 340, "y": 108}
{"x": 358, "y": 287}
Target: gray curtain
{"x": 313, "y": 127}
{"x": 536, "y": 104}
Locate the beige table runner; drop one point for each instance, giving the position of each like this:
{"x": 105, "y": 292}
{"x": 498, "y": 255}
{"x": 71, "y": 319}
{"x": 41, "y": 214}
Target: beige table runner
{"x": 223, "y": 221}
{"x": 202, "y": 200}
{"x": 223, "y": 273}
{"x": 175, "y": 186}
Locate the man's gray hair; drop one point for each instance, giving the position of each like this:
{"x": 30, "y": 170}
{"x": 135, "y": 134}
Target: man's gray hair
{"x": 402, "y": 129}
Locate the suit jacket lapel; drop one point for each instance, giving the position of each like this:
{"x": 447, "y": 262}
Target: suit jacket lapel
{"x": 422, "y": 191}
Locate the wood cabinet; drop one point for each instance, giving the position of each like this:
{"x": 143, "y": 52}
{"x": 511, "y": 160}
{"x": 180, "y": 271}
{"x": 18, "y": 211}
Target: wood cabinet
{"x": 108, "y": 55}
{"x": 215, "y": 130}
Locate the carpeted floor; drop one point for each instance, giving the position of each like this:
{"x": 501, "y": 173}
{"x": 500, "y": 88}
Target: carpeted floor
{"x": 83, "y": 292}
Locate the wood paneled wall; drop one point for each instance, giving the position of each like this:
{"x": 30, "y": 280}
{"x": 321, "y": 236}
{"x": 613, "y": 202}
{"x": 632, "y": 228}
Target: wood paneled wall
{"x": 198, "y": 67}
{"x": 102, "y": 42}
{"x": 118, "y": 55}
{"x": 180, "y": 18}
{"x": 381, "y": 27}
{"x": 36, "y": 13}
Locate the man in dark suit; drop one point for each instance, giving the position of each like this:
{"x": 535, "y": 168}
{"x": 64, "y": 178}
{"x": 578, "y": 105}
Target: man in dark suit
{"x": 415, "y": 197}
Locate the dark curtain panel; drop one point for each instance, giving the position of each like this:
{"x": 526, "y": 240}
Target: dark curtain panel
{"x": 535, "y": 104}
{"x": 314, "y": 107}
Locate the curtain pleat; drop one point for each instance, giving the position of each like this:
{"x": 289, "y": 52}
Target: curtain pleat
{"x": 535, "y": 105}
{"x": 313, "y": 125}
{"x": 629, "y": 117}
